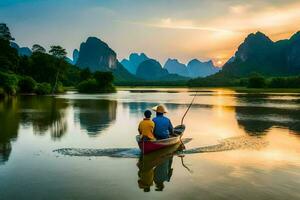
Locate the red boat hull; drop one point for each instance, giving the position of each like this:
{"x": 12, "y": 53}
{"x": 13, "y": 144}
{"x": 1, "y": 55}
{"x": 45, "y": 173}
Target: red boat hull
{"x": 150, "y": 146}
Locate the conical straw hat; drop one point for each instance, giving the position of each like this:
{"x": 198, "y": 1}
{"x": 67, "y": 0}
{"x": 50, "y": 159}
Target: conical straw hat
{"x": 160, "y": 109}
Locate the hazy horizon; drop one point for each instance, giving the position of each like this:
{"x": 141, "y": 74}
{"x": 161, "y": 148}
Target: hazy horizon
{"x": 162, "y": 29}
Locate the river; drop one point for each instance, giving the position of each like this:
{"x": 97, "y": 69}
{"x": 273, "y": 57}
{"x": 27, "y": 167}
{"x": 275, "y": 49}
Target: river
{"x": 240, "y": 146}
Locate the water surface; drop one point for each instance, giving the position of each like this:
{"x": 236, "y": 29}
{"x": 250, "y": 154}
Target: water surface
{"x": 259, "y": 159}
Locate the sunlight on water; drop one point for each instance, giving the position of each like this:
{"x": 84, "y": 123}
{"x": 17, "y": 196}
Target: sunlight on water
{"x": 243, "y": 146}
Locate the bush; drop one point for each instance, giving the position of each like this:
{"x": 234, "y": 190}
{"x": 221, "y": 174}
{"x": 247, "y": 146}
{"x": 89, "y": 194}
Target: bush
{"x": 2, "y": 93}
{"x": 279, "y": 82}
{"x": 27, "y": 85}
{"x": 9, "y": 82}
{"x": 43, "y": 88}
{"x": 92, "y": 86}
{"x": 59, "y": 88}
{"x": 88, "y": 86}
{"x": 256, "y": 81}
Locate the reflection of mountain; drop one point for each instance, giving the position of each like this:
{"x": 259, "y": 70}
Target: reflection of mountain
{"x": 44, "y": 113}
{"x": 9, "y": 126}
{"x": 95, "y": 115}
{"x": 259, "y": 119}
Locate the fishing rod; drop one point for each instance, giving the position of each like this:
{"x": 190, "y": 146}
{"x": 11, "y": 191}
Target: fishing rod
{"x": 187, "y": 110}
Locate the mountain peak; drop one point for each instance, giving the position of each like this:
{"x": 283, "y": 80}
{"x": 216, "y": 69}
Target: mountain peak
{"x": 258, "y": 36}
{"x": 97, "y": 55}
{"x": 296, "y": 36}
{"x": 132, "y": 63}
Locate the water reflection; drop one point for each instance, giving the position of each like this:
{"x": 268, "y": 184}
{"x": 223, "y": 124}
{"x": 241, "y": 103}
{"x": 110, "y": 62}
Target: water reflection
{"x": 140, "y": 107}
{"x": 44, "y": 113}
{"x": 95, "y": 115}
{"x": 156, "y": 168}
{"x": 9, "y": 126}
{"x": 259, "y": 118}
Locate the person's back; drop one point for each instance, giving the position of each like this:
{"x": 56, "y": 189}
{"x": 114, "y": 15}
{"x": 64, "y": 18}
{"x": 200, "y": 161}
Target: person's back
{"x": 163, "y": 126}
{"x": 146, "y": 127}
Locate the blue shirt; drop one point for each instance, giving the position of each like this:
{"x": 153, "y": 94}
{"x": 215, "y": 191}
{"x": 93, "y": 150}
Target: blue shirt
{"x": 163, "y": 127}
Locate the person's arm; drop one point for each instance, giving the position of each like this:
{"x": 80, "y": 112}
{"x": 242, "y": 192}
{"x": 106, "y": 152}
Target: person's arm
{"x": 171, "y": 129}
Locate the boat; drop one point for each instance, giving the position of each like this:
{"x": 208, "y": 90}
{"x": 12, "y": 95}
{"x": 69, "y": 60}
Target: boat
{"x": 151, "y": 146}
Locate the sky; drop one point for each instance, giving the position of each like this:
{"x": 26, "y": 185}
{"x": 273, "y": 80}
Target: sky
{"x": 182, "y": 29}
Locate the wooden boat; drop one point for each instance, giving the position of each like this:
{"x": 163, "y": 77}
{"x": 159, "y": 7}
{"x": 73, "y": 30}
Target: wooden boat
{"x": 150, "y": 146}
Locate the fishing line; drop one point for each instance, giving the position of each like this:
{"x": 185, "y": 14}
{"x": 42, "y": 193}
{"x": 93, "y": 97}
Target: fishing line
{"x": 187, "y": 110}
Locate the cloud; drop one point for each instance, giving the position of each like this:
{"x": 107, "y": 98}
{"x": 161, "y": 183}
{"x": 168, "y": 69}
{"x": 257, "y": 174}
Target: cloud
{"x": 168, "y": 23}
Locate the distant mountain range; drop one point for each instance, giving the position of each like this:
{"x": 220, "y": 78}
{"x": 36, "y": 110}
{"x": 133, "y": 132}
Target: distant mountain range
{"x": 258, "y": 53}
{"x": 194, "y": 68}
{"x": 134, "y": 61}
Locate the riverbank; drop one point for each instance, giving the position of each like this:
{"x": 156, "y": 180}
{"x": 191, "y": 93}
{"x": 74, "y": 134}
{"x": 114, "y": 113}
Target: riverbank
{"x": 235, "y": 89}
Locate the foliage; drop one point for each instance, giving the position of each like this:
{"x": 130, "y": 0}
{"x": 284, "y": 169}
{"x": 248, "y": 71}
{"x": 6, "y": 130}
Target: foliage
{"x": 216, "y": 80}
{"x": 85, "y": 74}
{"x": 9, "y": 82}
{"x": 27, "y": 85}
{"x": 100, "y": 83}
{"x": 8, "y": 57}
{"x": 59, "y": 88}
{"x": 285, "y": 82}
{"x": 36, "y": 48}
{"x": 88, "y": 86}
{"x": 5, "y": 32}
{"x": 256, "y": 81}
{"x": 43, "y": 89}
{"x": 2, "y": 93}
{"x": 58, "y": 51}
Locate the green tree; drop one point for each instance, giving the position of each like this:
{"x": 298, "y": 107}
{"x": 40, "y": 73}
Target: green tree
{"x": 256, "y": 81}
{"x": 5, "y": 32}
{"x": 61, "y": 65}
{"x": 8, "y": 56}
{"x": 58, "y": 52}
{"x": 85, "y": 74}
{"x": 36, "y": 48}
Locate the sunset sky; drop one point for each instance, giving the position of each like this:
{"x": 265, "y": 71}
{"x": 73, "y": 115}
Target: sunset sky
{"x": 203, "y": 29}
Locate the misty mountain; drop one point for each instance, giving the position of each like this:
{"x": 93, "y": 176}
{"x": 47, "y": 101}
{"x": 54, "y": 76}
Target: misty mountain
{"x": 151, "y": 70}
{"x": 175, "y": 67}
{"x": 22, "y": 51}
{"x": 134, "y": 60}
{"x": 98, "y": 56}
{"x": 75, "y": 56}
{"x": 258, "y": 53}
{"x": 197, "y": 68}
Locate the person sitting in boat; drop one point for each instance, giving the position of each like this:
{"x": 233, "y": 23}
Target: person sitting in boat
{"x": 163, "y": 126}
{"x": 146, "y": 127}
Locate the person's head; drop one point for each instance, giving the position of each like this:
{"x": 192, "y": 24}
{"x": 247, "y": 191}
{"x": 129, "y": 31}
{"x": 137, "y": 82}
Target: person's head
{"x": 147, "y": 114}
{"x": 160, "y": 110}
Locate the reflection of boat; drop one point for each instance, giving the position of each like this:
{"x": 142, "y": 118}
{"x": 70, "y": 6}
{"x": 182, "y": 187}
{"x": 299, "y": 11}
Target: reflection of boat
{"x": 156, "y": 167}
{"x": 150, "y": 146}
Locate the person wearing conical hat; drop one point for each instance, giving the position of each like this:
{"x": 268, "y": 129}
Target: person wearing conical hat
{"x": 163, "y": 126}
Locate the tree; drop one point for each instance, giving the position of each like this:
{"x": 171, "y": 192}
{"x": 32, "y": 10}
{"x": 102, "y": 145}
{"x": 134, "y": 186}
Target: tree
{"x": 58, "y": 52}
{"x": 256, "y": 81}
{"x": 5, "y": 33}
{"x": 85, "y": 74}
{"x": 36, "y": 48}
{"x": 61, "y": 65}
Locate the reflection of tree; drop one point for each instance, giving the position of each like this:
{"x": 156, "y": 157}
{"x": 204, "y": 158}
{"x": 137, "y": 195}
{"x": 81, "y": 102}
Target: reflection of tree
{"x": 258, "y": 119}
{"x": 9, "y": 125}
{"x": 45, "y": 113}
{"x": 140, "y": 107}
{"x": 95, "y": 115}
